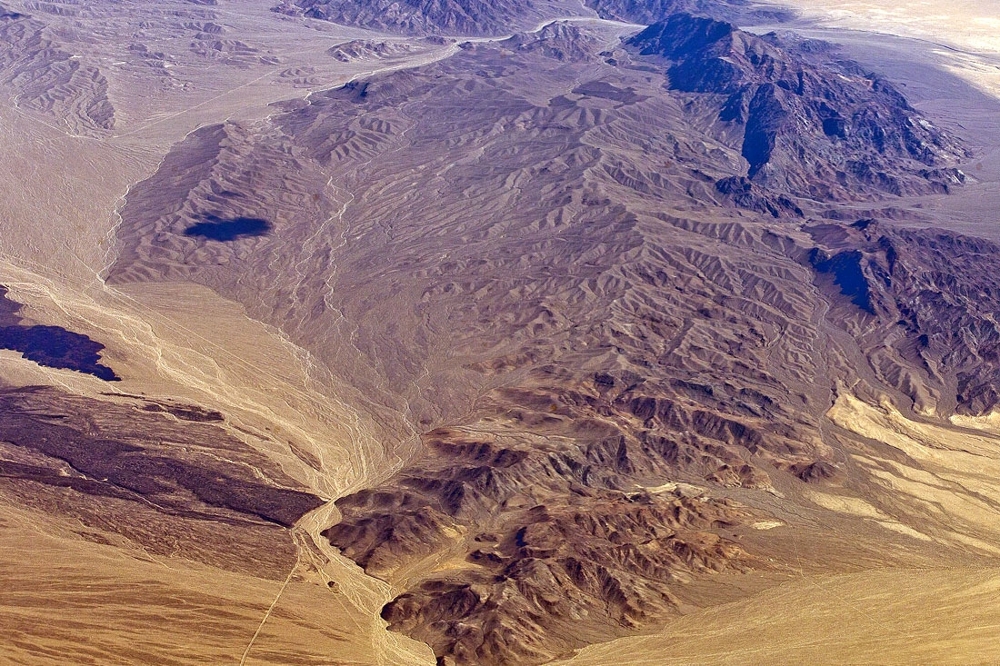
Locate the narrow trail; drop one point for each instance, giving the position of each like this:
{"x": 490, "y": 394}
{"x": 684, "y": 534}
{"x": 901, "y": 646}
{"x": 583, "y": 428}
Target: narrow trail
{"x": 316, "y": 557}
{"x": 270, "y": 609}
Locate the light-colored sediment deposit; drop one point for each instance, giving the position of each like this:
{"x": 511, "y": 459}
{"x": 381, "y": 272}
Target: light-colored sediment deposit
{"x": 497, "y": 333}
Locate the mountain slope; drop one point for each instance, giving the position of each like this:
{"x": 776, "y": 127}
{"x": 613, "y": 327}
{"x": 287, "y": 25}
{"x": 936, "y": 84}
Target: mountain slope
{"x": 433, "y": 17}
{"x": 48, "y": 80}
{"x": 611, "y": 336}
{"x": 646, "y": 12}
{"x": 813, "y": 125}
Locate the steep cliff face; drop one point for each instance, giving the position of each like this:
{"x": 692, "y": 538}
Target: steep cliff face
{"x": 812, "y": 124}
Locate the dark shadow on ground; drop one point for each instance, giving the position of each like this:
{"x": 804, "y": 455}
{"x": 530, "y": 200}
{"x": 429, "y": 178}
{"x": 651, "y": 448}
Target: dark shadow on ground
{"x": 216, "y": 228}
{"x": 50, "y": 346}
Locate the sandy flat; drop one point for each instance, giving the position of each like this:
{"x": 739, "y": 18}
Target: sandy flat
{"x": 79, "y": 601}
{"x": 877, "y": 617}
{"x": 964, "y": 32}
{"x": 969, "y": 24}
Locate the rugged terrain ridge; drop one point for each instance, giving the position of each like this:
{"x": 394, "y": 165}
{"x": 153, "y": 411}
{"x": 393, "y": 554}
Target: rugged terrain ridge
{"x": 515, "y": 345}
{"x": 813, "y": 125}
{"x": 594, "y": 304}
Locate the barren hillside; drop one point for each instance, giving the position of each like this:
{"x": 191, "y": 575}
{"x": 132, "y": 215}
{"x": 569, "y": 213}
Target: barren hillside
{"x": 351, "y": 341}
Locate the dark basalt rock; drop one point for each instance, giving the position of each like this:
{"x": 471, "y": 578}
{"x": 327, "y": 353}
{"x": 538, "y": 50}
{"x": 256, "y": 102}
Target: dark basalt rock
{"x": 187, "y": 412}
{"x": 117, "y": 452}
{"x": 812, "y": 125}
{"x": 646, "y": 12}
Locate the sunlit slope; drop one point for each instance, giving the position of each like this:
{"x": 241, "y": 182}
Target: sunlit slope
{"x": 929, "y": 480}
{"x": 568, "y": 343}
{"x": 73, "y": 146}
{"x": 892, "y": 616}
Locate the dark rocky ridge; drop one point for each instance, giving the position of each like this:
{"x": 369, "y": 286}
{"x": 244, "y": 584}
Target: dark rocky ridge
{"x": 185, "y": 412}
{"x": 566, "y": 43}
{"x": 555, "y": 536}
{"x": 934, "y": 296}
{"x": 566, "y": 577}
{"x": 169, "y": 487}
{"x": 484, "y": 18}
{"x": 505, "y": 487}
{"x": 423, "y": 17}
{"x": 813, "y": 125}
{"x": 579, "y": 297}
{"x": 125, "y": 461}
{"x": 647, "y": 12}
{"x": 743, "y": 193}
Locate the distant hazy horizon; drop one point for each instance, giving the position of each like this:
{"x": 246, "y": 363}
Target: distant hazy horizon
{"x": 969, "y": 30}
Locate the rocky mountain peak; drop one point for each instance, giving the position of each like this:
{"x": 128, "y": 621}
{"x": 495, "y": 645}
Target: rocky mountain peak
{"x": 558, "y": 40}
{"x": 740, "y": 12}
{"x": 683, "y": 35}
{"x": 420, "y": 17}
{"x": 813, "y": 125}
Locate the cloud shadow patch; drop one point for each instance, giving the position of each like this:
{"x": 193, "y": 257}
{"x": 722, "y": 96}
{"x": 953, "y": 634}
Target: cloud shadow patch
{"x": 217, "y": 228}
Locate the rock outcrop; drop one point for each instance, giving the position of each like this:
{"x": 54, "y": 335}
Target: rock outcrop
{"x": 171, "y": 486}
{"x": 647, "y": 12}
{"x": 925, "y": 303}
{"x": 424, "y": 17}
{"x": 812, "y": 124}
{"x": 578, "y": 275}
